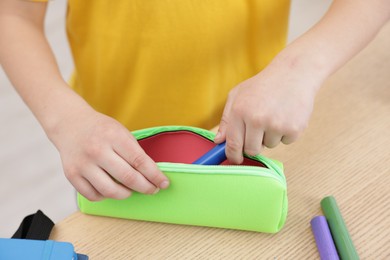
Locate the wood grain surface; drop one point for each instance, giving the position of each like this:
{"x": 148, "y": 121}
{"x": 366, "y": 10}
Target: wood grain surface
{"x": 345, "y": 152}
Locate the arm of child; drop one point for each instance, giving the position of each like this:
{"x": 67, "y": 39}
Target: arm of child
{"x": 99, "y": 155}
{"x": 275, "y": 105}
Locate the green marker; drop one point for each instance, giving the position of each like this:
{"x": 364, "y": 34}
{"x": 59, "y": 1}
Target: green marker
{"x": 339, "y": 230}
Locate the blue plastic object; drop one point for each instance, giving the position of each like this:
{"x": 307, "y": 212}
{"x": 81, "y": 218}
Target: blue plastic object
{"x": 213, "y": 157}
{"x": 37, "y": 250}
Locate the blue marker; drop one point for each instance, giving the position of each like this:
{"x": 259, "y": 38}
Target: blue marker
{"x": 213, "y": 157}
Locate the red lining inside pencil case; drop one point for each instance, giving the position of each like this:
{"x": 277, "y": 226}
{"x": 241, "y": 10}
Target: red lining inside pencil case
{"x": 181, "y": 147}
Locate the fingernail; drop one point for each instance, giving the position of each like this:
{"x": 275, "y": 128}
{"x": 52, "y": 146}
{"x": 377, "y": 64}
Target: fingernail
{"x": 218, "y": 135}
{"x": 164, "y": 184}
{"x": 156, "y": 190}
{"x": 239, "y": 161}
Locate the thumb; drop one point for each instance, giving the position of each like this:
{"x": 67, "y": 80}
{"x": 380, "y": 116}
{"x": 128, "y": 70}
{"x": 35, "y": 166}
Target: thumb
{"x": 221, "y": 134}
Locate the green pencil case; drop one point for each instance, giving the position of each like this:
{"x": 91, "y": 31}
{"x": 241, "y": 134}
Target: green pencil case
{"x": 251, "y": 196}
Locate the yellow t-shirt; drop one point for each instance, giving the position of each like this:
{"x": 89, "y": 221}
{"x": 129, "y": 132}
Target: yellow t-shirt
{"x": 154, "y": 62}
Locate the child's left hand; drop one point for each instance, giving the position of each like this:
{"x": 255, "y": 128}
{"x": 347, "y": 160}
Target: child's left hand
{"x": 272, "y": 107}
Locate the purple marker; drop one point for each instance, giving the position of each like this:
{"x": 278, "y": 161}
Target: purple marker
{"x": 323, "y": 238}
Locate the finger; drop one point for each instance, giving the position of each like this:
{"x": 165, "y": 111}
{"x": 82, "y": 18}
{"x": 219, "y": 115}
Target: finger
{"x": 235, "y": 141}
{"x": 221, "y": 134}
{"x": 105, "y": 185}
{"x": 289, "y": 139}
{"x": 85, "y": 188}
{"x": 133, "y": 154}
{"x": 271, "y": 139}
{"x": 253, "y": 140}
{"x": 119, "y": 169}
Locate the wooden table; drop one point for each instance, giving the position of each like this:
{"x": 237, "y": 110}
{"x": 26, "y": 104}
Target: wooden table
{"x": 345, "y": 152}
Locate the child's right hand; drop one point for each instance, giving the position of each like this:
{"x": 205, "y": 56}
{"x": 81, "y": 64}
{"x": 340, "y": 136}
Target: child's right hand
{"x": 99, "y": 156}
{"x": 102, "y": 159}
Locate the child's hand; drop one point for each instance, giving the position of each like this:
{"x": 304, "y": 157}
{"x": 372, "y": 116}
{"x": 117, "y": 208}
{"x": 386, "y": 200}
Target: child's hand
{"x": 102, "y": 159}
{"x": 273, "y": 106}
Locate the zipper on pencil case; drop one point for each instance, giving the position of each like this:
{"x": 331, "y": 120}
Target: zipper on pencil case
{"x": 221, "y": 169}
